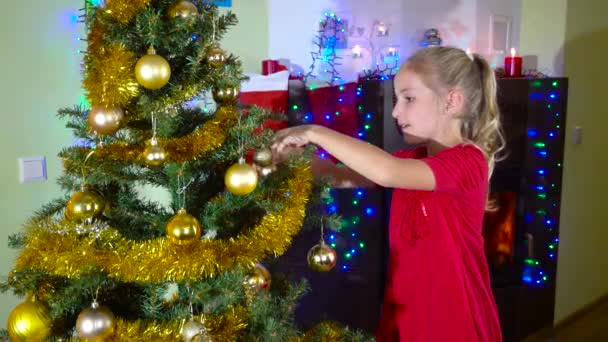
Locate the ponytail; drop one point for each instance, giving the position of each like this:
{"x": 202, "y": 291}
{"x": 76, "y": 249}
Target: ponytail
{"x": 443, "y": 68}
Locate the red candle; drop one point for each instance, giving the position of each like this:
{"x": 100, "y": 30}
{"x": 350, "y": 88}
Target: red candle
{"x": 513, "y": 65}
{"x": 269, "y": 66}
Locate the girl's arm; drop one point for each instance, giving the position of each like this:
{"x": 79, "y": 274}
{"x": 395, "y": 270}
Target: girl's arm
{"x": 365, "y": 159}
{"x": 339, "y": 176}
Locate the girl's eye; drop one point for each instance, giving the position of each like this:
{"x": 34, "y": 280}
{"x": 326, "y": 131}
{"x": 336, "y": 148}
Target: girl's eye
{"x": 409, "y": 99}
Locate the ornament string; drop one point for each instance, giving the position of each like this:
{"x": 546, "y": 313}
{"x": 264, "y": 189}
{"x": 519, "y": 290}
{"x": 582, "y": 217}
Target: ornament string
{"x": 181, "y": 188}
{"x": 322, "y": 230}
{"x": 83, "y": 169}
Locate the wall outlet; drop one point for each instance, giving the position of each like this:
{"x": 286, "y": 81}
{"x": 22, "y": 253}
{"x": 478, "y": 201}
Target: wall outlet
{"x": 32, "y": 169}
{"x": 577, "y": 135}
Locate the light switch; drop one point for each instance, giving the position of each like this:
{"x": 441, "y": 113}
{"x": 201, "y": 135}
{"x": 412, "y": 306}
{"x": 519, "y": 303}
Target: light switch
{"x": 577, "y": 136}
{"x": 32, "y": 169}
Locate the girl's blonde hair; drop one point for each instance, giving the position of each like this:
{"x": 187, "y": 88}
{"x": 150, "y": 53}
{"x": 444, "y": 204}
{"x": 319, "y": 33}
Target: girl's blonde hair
{"x": 445, "y": 68}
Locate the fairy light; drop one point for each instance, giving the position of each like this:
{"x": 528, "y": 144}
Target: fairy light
{"x": 534, "y": 273}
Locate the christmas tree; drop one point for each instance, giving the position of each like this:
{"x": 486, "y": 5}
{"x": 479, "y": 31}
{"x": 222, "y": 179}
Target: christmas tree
{"x": 104, "y": 263}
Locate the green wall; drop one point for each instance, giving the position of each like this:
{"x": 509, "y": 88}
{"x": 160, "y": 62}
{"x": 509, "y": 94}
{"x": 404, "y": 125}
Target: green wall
{"x": 583, "y": 253}
{"x": 41, "y": 73}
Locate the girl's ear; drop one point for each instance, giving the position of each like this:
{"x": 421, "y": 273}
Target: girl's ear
{"x": 455, "y": 102}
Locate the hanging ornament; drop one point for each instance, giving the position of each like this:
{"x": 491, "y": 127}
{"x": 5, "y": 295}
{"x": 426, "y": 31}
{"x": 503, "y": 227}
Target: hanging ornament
{"x": 84, "y": 206}
{"x": 258, "y": 280}
{"x": 183, "y": 228}
{"x": 202, "y": 337}
{"x": 182, "y": 9}
{"x": 194, "y": 330}
{"x": 95, "y": 324}
{"x": 321, "y": 257}
{"x": 241, "y": 179}
{"x": 216, "y": 57}
{"x": 263, "y": 157}
{"x": 29, "y": 321}
{"x": 152, "y": 71}
{"x": 104, "y": 120}
{"x": 227, "y": 95}
{"x": 263, "y": 160}
{"x": 154, "y": 154}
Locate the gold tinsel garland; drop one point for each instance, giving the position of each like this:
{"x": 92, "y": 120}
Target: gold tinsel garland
{"x": 203, "y": 140}
{"x": 110, "y": 80}
{"x": 52, "y": 248}
{"x": 228, "y": 326}
{"x": 124, "y": 11}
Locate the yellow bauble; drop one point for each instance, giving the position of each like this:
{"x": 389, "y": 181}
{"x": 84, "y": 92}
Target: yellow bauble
{"x": 226, "y": 95}
{"x": 84, "y": 206}
{"x": 105, "y": 120}
{"x": 194, "y": 330}
{"x": 241, "y": 179}
{"x": 29, "y": 321}
{"x": 96, "y": 324}
{"x": 183, "y": 9}
{"x": 259, "y": 279}
{"x": 183, "y": 229}
{"x": 154, "y": 154}
{"x": 263, "y": 157}
{"x": 322, "y": 258}
{"x": 152, "y": 71}
{"x": 216, "y": 57}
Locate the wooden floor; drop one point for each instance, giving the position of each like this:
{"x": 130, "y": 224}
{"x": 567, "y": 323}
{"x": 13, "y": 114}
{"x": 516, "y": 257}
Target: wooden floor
{"x": 589, "y": 327}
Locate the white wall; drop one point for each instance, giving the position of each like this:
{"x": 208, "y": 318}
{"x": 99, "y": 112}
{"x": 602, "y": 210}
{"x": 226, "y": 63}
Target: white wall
{"x": 462, "y": 23}
{"x": 508, "y": 8}
{"x": 544, "y": 39}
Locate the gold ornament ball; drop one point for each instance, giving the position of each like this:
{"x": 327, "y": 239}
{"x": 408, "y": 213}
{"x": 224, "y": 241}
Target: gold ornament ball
{"x": 322, "y": 258}
{"x": 152, "y": 71}
{"x": 29, "y": 321}
{"x": 104, "y": 120}
{"x": 182, "y": 9}
{"x": 183, "y": 228}
{"x": 226, "y": 95}
{"x": 263, "y": 157}
{"x": 154, "y": 154}
{"x": 216, "y": 57}
{"x": 95, "y": 324}
{"x": 241, "y": 179}
{"x": 259, "y": 279}
{"x": 267, "y": 170}
{"x": 202, "y": 337}
{"x": 192, "y": 330}
{"x": 84, "y": 206}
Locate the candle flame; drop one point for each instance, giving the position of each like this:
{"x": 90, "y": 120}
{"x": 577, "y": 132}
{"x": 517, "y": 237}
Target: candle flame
{"x": 512, "y": 52}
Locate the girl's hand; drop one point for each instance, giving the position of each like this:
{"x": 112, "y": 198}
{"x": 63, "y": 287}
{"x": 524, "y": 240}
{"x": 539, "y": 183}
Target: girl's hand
{"x": 288, "y": 140}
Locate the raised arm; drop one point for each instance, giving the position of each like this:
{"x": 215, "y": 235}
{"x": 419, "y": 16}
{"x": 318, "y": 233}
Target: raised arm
{"x": 364, "y": 159}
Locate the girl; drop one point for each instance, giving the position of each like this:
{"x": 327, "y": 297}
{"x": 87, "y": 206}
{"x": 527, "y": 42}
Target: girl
{"x": 438, "y": 284}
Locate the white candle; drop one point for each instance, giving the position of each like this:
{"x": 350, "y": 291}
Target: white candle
{"x": 512, "y": 62}
{"x": 357, "y": 51}
{"x": 381, "y": 29}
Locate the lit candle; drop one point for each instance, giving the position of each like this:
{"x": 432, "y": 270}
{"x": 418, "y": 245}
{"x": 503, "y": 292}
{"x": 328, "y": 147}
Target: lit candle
{"x": 392, "y": 52}
{"x": 382, "y": 31}
{"x": 513, "y": 64}
{"x": 357, "y": 53}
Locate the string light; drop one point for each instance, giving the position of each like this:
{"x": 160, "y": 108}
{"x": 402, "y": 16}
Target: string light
{"x": 533, "y": 270}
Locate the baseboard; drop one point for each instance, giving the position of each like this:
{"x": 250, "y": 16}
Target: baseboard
{"x": 551, "y": 330}
{"x": 576, "y": 315}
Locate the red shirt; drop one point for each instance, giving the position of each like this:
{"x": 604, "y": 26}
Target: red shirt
{"x": 438, "y": 283}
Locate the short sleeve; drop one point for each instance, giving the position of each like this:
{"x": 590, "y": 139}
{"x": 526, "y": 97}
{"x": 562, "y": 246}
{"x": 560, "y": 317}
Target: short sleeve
{"x": 459, "y": 169}
{"x": 404, "y": 154}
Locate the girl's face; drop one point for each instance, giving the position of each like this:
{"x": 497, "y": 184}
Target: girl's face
{"x": 417, "y": 113}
